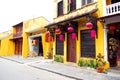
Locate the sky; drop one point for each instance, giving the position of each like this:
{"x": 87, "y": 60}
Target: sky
{"x": 13, "y": 12}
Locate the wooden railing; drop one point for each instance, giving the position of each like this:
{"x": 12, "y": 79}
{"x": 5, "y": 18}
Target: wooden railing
{"x": 17, "y": 34}
{"x": 113, "y": 9}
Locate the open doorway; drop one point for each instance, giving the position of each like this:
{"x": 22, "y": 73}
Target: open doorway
{"x": 38, "y": 48}
{"x": 113, "y": 42}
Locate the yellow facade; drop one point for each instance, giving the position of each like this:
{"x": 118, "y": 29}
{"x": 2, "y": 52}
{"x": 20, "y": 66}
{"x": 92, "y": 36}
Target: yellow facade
{"x": 6, "y": 44}
{"x": 34, "y": 27}
{"x": 97, "y": 7}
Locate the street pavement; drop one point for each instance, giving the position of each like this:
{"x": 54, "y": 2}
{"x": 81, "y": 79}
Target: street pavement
{"x": 66, "y": 70}
{"x": 10, "y": 70}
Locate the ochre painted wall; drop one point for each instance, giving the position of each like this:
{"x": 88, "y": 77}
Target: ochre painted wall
{"x": 7, "y": 47}
{"x": 35, "y": 26}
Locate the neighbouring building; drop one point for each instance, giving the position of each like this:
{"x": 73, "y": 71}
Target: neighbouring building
{"x": 77, "y": 31}
{"x": 26, "y": 39}
{"x": 6, "y": 45}
{"x": 111, "y": 25}
{"x": 34, "y": 37}
{"x": 17, "y": 38}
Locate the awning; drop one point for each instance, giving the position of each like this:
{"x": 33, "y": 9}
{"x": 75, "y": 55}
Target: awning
{"x": 17, "y": 37}
{"x": 110, "y": 18}
{"x": 5, "y": 36}
{"x": 73, "y": 18}
{"x": 35, "y": 28}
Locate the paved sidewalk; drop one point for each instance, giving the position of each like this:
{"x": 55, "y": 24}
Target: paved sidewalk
{"x": 75, "y": 72}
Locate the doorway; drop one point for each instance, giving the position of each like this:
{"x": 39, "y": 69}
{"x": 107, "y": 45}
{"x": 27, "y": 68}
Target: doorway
{"x": 18, "y": 46}
{"x": 71, "y": 49}
{"x": 38, "y": 48}
{"x": 113, "y": 42}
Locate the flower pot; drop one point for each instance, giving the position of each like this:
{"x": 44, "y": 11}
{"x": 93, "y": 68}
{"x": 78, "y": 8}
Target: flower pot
{"x": 100, "y": 70}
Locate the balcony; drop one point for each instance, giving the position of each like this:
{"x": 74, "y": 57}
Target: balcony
{"x": 17, "y": 35}
{"x": 113, "y": 9}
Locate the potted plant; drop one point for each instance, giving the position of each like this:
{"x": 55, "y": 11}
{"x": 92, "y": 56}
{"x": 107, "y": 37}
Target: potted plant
{"x": 101, "y": 63}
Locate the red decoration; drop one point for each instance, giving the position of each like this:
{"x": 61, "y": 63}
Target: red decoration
{"x": 61, "y": 37}
{"x": 70, "y": 1}
{"x": 93, "y": 33}
{"x": 34, "y": 42}
{"x": 112, "y": 28}
{"x": 57, "y": 31}
{"x": 89, "y": 25}
{"x": 73, "y": 36}
{"x": 70, "y": 29}
{"x": 51, "y": 38}
{"x": 47, "y": 33}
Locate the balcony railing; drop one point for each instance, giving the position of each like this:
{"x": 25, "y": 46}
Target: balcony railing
{"x": 18, "y": 34}
{"x": 113, "y": 9}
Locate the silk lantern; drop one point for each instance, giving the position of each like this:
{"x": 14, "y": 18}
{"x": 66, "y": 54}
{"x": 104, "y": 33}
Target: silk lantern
{"x": 89, "y": 25}
{"x": 57, "y": 31}
{"x": 73, "y": 36}
{"x": 51, "y": 38}
{"x": 61, "y": 37}
{"x": 47, "y": 33}
{"x": 70, "y": 29}
{"x": 112, "y": 28}
{"x": 93, "y": 33}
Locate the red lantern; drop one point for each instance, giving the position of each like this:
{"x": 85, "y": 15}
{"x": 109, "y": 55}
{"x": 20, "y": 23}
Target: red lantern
{"x": 93, "y": 33}
{"x": 47, "y": 33}
{"x": 89, "y": 25}
{"x": 73, "y": 36}
{"x": 112, "y": 28}
{"x": 57, "y": 31}
{"x": 61, "y": 37}
{"x": 34, "y": 42}
{"x": 51, "y": 38}
{"x": 70, "y": 29}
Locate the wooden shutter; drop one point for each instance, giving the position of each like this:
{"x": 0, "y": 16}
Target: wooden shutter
{"x": 71, "y": 5}
{"x": 87, "y": 44}
{"x": 60, "y": 8}
{"x": 59, "y": 46}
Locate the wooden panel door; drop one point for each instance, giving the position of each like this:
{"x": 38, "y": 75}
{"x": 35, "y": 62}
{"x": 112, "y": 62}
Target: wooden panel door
{"x": 71, "y": 49}
{"x": 18, "y": 47}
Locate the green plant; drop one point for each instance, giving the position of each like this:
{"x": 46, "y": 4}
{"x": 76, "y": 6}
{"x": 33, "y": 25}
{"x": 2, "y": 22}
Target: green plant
{"x": 92, "y": 63}
{"x": 101, "y": 63}
{"x": 58, "y": 58}
{"x": 88, "y": 63}
{"x": 81, "y": 62}
{"x": 100, "y": 60}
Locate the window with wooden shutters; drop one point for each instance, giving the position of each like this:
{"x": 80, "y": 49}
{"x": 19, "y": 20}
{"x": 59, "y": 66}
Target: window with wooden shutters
{"x": 71, "y": 5}
{"x": 60, "y": 8}
{"x": 85, "y": 2}
{"x": 59, "y": 46}
{"x": 87, "y": 44}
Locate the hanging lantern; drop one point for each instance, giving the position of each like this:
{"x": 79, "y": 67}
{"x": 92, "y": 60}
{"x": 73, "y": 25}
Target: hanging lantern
{"x": 61, "y": 37}
{"x": 70, "y": 29}
{"x": 34, "y": 42}
{"x": 51, "y": 38}
{"x": 112, "y": 28}
{"x": 57, "y": 31}
{"x": 73, "y": 36}
{"x": 89, "y": 25}
{"x": 47, "y": 33}
{"x": 93, "y": 33}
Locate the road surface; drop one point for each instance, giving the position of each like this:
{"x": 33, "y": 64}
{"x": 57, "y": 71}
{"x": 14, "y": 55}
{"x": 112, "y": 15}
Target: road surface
{"x": 10, "y": 70}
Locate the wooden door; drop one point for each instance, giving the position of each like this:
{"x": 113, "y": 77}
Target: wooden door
{"x": 18, "y": 47}
{"x": 71, "y": 49}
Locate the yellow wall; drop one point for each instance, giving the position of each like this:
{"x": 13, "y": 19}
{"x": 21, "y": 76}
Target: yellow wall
{"x": 7, "y": 47}
{"x": 34, "y": 26}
